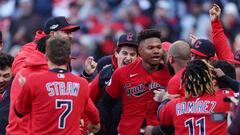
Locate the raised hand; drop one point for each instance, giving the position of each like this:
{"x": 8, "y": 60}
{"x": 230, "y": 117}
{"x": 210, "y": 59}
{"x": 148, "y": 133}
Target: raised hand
{"x": 90, "y": 65}
{"x": 218, "y": 72}
{"x": 192, "y": 39}
{"x": 94, "y": 128}
{"x": 148, "y": 130}
{"x": 215, "y": 12}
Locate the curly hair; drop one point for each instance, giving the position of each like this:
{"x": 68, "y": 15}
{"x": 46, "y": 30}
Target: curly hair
{"x": 6, "y": 60}
{"x": 197, "y": 79}
{"x": 148, "y": 33}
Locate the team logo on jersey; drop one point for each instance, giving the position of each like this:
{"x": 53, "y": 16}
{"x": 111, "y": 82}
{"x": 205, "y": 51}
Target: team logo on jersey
{"x": 132, "y": 75}
{"x": 141, "y": 88}
{"x": 54, "y": 26}
{"x": 60, "y": 75}
{"x": 135, "y": 91}
{"x": 106, "y": 66}
{"x": 109, "y": 82}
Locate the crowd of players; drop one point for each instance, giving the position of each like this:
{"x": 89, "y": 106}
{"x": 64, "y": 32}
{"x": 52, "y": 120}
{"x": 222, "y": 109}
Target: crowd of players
{"x": 145, "y": 87}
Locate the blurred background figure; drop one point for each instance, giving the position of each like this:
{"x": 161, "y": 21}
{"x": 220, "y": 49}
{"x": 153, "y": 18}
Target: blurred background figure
{"x": 25, "y": 23}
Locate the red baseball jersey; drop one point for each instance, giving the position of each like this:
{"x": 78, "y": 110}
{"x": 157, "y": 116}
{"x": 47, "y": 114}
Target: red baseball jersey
{"x": 205, "y": 115}
{"x": 55, "y": 102}
{"x": 134, "y": 85}
{"x": 174, "y": 84}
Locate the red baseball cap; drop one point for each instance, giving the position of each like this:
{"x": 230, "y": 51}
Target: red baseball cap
{"x": 166, "y": 45}
{"x": 59, "y": 23}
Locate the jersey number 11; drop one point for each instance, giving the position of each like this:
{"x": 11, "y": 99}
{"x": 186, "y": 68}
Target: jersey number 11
{"x": 190, "y": 123}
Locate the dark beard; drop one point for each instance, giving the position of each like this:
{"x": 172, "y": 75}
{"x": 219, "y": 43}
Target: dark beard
{"x": 170, "y": 69}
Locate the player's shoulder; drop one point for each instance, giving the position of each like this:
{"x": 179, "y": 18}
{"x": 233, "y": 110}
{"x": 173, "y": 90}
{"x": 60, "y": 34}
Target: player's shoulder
{"x": 174, "y": 79}
{"x": 162, "y": 73}
{"x": 38, "y": 75}
{"x": 130, "y": 67}
{"x": 173, "y": 102}
{"x": 107, "y": 68}
{"x": 178, "y": 100}
{"x": 75, "y": 77}
{"x": 225, "y": 92}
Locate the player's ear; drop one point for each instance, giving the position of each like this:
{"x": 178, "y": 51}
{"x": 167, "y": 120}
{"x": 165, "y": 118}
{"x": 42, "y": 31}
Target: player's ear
{"x": 214, "y": 81}
{"x": 171, "y": 59}
{"x": 116, "y": 54}
{"x": 51, "y": 33}
{"x": 46, "y": 56}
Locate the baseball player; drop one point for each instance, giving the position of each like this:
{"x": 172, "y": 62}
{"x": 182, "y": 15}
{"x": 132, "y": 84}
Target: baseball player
{"x": 34, "y": 61}
{"x": 178, "y": 57}
{"x": 135, "y": 83}
{"x": 5, "y": 85}
{"x": 125, "y": 53}
{"x": 220, "y": 42}
{"x": 25, "y": 51}
{"x": 200, "y": 111}
{"x": 61, "y": 95}
{"x": 223, "y": 49}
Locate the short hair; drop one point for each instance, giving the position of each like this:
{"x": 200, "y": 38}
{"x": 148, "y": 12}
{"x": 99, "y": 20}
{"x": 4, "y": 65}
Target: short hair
{"x": 58, "y": 50}
{"x": 148, "y": 33}
{"x": 6, "y": 61}
{"x": 197, "y": 79}
{"x": 228, "y": 70}
{"x": 180, "y": 49}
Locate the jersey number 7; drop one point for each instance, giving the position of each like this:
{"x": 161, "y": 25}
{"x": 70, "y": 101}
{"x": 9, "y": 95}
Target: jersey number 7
{"x": 68, "y": 109}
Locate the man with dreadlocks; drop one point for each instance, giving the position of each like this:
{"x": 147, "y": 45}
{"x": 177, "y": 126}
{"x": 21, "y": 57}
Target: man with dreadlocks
{"x": 200, "y": 111}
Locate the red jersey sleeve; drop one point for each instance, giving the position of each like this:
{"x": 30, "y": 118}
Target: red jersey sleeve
{"x": 24, "y": 100}
{"x": 220, "y": 42}
{"x": 95, "y": 92}
{"x": 166, "y": 114}
{"x": 114, "y": 87}
{"x": 173, "y": 87}
{"x": 91, "y": 112}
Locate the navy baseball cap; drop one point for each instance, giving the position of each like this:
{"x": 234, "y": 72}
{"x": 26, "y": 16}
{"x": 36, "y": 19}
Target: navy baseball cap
{"x": 236, "y": 59}
{"x": 203, "y": 48}
{"x": 59, "y": 23}
{"x": 127, "y": 39}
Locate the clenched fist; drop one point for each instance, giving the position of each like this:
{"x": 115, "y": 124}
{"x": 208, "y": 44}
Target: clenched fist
{"x": 90, "y": 65}
{"x": 215, "y": 12}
